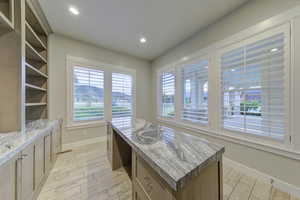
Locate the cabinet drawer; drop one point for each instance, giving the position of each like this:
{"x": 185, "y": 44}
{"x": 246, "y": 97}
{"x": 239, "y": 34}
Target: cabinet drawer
{"x": 150, "y": 181}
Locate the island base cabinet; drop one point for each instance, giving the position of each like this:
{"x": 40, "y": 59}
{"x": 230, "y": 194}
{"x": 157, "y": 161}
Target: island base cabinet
{"x": 148, "y": 185}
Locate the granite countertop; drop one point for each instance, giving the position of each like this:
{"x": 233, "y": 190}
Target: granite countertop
{"x": 175, "y": 156}
{"x": 14, "y": 142}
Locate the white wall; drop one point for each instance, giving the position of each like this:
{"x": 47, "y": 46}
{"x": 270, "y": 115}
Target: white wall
{"x": 59, "y": 48}
{"x": 252, "y": 13}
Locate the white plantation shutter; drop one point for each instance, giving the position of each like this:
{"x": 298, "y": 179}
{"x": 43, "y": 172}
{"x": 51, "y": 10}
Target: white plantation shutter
{"x": 253, "y": 87}
{"x": 88, "y": 94}
{"x": 167, "y": 94}
{"x": 195, "y": 92}
{"x": 122, "y": 98}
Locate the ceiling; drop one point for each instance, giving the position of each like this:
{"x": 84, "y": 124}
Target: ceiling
{"x": 119, "y": 24}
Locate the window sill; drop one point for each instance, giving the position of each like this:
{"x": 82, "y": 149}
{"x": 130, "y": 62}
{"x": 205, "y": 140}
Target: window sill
{"x": 271, "y": 148}
{"x": 82, "y": 125}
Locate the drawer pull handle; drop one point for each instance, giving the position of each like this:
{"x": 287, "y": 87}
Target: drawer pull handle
{"x": 148, "y": 186}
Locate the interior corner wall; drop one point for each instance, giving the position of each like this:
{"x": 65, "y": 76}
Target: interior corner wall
{"x": 59, "y": 48}
{"x": 251, "y": 13}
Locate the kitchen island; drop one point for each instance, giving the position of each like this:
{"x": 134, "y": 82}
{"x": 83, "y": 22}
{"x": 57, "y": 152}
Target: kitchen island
{"x": 165, "y": 164}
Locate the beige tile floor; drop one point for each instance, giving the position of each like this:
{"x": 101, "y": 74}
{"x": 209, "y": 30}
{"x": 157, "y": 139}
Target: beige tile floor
{"x": 85, "y": 174}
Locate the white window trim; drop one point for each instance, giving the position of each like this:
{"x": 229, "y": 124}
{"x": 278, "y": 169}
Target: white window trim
{"x": 158, "y": 91}
{"x": 290, "y": 150}
{"x": 285, "y": 28}
{"x": 179, "y": 67}
{"x": 108, "y": 70}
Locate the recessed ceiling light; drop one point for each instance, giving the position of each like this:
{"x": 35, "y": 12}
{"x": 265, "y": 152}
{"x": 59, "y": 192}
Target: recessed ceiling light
{"x": 74, "y": 10}
{"x": 143, "y": 40}
{"x": 185, "y": 58}
{"x": 274, "y": 50}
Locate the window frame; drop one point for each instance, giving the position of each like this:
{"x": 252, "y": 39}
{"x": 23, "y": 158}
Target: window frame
{"x": 159, "y": 92}
{"x": 213, "y": 52}
{"x": 285, "y": 29}
{"x": 180, "y": 66}
{"x": 108, "y": 69}
{"x": 133, "y": 89}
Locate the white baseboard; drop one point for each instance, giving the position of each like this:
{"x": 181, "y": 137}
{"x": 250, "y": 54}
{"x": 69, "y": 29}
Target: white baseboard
{"x": 277, "y": 183}
{"x": 83, "y": 142}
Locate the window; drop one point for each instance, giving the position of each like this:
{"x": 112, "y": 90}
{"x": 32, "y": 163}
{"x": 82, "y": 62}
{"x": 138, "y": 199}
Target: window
{"x": 122, "y": 97}
{"x": 88, "y": 94}
{"x": 167, "y": 91}
{"x": 253, "y": 87}
{"x": 98, "y": 92}
{"x": 195, "y": 92}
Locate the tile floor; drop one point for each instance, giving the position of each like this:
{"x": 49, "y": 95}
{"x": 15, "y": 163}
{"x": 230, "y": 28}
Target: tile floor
{"x": 85, "y": 174}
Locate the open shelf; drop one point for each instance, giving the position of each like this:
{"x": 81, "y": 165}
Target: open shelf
{"x": 33, "y": 38}
{"x": 36, "y": 66}
{"x": 35, "y": 104}
{"x": 35, "y": 113}
{"x": 32, "y": 54}
{"x": 34, "y": 22}
{"x": 33, "y": 87}
{"x": 32, "y": 71}
{"x": 6, "y": 16}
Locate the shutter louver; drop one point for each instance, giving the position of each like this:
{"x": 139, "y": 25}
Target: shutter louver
{"x": 167, "y": 101}
{"x": 195, "y": 92}
{"x": 121, "y": 98}
{"x": 253, "y": 89}
{"x": 88, "y": 99}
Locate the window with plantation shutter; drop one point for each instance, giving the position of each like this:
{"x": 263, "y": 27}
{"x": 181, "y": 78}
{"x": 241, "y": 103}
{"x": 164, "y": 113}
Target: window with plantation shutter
{"x": 88, "y": 94}
{"x": 167, "y": 94}
{"x": 122, "y": 98}
{"x": 253, "y": 86}
{"x": 195, "y": 92}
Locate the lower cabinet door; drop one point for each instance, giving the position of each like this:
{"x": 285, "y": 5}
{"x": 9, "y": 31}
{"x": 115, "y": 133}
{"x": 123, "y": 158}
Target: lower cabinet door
{"x": 8, "y": 184}
{"x": 138, "y": 193}
{"x": 48, "y": 155}
{"x": 27, "y": 180}
{"x": 39, "y": 161}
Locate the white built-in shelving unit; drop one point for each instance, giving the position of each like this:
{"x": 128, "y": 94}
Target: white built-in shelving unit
{"x": 36, "y": 66}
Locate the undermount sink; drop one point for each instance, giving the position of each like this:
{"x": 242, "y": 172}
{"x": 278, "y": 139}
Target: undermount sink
{"x": 148, "y": 135}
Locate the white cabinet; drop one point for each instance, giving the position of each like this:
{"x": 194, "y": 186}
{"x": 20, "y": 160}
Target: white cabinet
{"x": 8, "y": 174}
{"x": 39, "y": 161}
{"x": 27, "y": 172}
{"x": 56, "y": 144}
{"x": 22, "y": 177}
{"x": 48, "y": 156}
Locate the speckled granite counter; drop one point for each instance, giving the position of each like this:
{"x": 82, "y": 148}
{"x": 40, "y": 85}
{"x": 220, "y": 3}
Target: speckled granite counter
{"x": 13, "y": 143}
{"x": 175, "y": 156}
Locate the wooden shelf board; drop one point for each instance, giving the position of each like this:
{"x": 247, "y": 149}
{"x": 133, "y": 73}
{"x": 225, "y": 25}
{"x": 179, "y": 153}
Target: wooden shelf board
{"x": 35, "y": 104}
{"x": 33, "y": 54}
{"x": 34, "y": 20}
{"x": 30, "y": 86}
{"x": 33, "y": 38}
{"x": 5, "y": 24}
{"x": 34, "y": 71}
